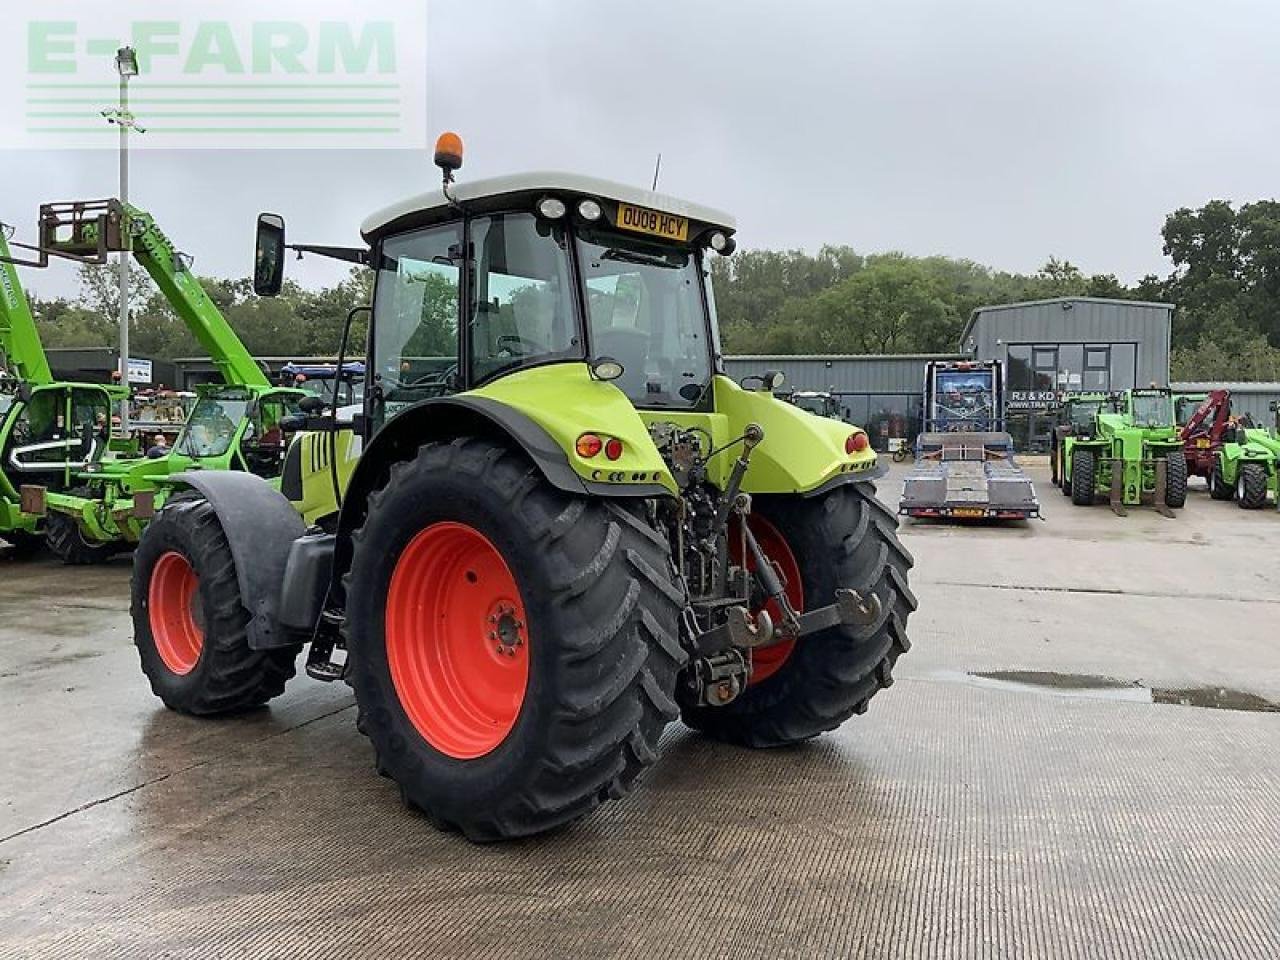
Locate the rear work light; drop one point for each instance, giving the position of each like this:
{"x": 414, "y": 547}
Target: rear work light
{"x": 856, "y": 443}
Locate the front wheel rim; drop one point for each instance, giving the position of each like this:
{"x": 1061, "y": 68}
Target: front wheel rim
{"x": 173, "y": 609}
{"x": 457, "y": 640}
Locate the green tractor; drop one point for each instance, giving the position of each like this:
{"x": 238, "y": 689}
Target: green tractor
{"x": 1077, "y": 418}
{"x": 1237, "y": 458}
{"x": 98, "y": 505}
{"x": 49, "y": 429}
{"x": 553, "y": 526}
{"x": 1133, "y": 455}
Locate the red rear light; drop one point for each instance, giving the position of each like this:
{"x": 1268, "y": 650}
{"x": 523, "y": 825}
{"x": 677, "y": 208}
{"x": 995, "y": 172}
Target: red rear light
{"x": 856, "y": 443}
{"x": 613, "y": 449}
{"x": 589, "y": 445}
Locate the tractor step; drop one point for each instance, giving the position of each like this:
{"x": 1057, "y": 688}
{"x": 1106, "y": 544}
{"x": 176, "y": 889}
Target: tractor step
{"x": 326, "y": 660}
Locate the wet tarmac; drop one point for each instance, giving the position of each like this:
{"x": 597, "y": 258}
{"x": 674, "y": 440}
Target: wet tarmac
{"x": 1079, "y": 758}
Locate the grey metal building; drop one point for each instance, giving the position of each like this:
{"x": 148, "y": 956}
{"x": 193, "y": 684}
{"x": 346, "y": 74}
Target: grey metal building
{"x": 1254, "y": 399}
{"x": 1068, "y": 344}
{"x": 879, "y": 392}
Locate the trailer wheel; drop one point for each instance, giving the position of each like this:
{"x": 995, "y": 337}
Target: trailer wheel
{"x": 67, "y": 542}
{"x": 1083, "y": 477}
{"x": 513, "y": 649}
{"x": 1175, "y": 488}
{"x": 843, "y": 539}
{"x": 1219, "y": 489}
{"x": 1251, "y": 486}
{"x": 189, "y": 622}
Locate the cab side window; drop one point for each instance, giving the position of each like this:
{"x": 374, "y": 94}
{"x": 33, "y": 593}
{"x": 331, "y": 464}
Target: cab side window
{"x": 415, "y": 327}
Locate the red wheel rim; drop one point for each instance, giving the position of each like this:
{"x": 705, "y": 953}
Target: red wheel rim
{"x": 457, "y": 640}
{"x": 173, "y": 607}
{"x": 766, "y": 661}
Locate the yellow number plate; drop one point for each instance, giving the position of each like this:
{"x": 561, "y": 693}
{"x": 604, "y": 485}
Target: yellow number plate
{"x": 968, "y": 512}
{"x": 1202, "y": 442}
{"x": 665, "y": 225}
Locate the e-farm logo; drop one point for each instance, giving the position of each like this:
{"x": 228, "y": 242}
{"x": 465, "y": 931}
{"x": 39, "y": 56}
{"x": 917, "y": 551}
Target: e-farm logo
{"x": 288, "y": 74}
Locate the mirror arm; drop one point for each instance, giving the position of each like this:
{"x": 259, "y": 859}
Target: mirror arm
{"x": 358, "y": 255}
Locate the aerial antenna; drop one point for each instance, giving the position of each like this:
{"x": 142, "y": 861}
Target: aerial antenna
{"x": 657, "y": 169}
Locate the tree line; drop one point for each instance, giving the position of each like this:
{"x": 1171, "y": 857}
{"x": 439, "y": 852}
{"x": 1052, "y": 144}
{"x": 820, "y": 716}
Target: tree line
{"x": 1225, "y": 282}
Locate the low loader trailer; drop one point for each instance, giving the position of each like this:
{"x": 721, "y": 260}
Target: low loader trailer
{"x": 965, "y": 468}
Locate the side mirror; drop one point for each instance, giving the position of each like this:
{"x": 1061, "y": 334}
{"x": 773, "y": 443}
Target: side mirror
{"x": 268, "y": 257}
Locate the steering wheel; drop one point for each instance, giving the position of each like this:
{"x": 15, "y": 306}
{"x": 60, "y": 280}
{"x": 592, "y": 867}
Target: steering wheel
{"x": 527, "y": 347}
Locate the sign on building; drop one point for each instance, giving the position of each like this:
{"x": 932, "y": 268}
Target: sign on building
{"x": 139, "y": 371}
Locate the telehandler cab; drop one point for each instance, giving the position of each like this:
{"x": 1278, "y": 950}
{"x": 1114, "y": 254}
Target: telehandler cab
{"x": 554, "y": 525}
{"x": 1077, "y": 417}
{"x": 49, "y": 429}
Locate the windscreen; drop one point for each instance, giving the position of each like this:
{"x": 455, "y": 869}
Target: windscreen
{"x": 211, "y": 428}
{"x": 646, "y": 311}
{"x": 1152, "y": 410}
{"x": 964, "y": 400}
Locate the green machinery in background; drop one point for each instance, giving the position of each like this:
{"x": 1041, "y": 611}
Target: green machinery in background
{"x": 100, "y": 504}
{"x": 49, "y": 429}
{"x": 1077, "y": 417}
{"x": 1236, "y": 457}
{"x": 1133, "y": 455}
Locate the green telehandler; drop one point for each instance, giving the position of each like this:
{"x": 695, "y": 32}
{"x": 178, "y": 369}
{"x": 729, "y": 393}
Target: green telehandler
{"x": 1239, "y": 460}
{"x": 553, "y": 525}
{"x": 101, "y": 504}
{"x": 1133, "y": 455}
{"x": 49, "y": 429}
{"x": 1077, "y": 417}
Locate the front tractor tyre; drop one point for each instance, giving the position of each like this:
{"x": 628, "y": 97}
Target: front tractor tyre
{"x": 1251, "y": 486}
{"x": 190, "y": 625}
{"x": 1219, "y": 489}
{"x": 513, "y": 648}
{"x": 1175, "y": 480}
{"x": 799, "y": 689}
{"x": 1083, "y": 469}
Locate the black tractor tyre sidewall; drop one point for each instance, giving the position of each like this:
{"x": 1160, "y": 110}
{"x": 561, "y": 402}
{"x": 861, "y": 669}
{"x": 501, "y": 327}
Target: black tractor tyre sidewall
{"x": 1252, "y": 486}
{"x": 1175, "y": 490}
{"x": 483, "y": 796}
{"x": 1219, "y": 489}
{"x": 67, "y": 543}
{"x": 1083, "y": 470}
{"x": 228, "y": 676}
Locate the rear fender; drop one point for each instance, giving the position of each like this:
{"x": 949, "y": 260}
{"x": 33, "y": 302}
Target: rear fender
{"x": 261, "y": 526}
{"x": 444, "y": 419}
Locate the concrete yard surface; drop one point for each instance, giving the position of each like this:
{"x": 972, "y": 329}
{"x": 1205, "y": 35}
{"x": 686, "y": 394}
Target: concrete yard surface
{"x": 1080, "y": 757}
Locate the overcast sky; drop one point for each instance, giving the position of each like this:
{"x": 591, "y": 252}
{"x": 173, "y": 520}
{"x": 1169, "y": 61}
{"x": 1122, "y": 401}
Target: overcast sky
{"x": 1004, "y": 131}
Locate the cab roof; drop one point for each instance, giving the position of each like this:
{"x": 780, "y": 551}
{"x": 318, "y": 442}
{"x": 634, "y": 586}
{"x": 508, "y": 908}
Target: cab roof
{"x": 426, "y": 208}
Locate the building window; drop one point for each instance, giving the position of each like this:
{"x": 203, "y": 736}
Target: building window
{"x": 1097, "y": 368}
{"x": 1124, "y": 366}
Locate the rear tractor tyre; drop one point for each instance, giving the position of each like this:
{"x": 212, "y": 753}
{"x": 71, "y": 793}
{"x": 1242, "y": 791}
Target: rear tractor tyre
{"x": 1175, "y": 480}
{"x": 1083, "y": 471}
{"x": 67, "y": 542}
{"x": 1064, "y": 474}
{"x": 514, "y": 649}
{"x": 843, "y": 539}
{"x": 1251, "y": 486}
{"x": 190, "y": 625}
{"x": 1219, "y": 489}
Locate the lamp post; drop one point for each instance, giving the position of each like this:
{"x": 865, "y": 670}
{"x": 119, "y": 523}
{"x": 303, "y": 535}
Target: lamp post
{"x": 127, "y": 67}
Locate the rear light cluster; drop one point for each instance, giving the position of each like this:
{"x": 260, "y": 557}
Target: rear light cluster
{"x": 591, "y": 445}
{"x": 856, "y": 443}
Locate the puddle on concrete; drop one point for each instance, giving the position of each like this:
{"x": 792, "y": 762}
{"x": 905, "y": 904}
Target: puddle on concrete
{"x": 1110, "y": 688}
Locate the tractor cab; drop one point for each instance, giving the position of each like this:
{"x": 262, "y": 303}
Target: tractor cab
{"x": 1150, "y": 409}
{"x": 821, "y": 403}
